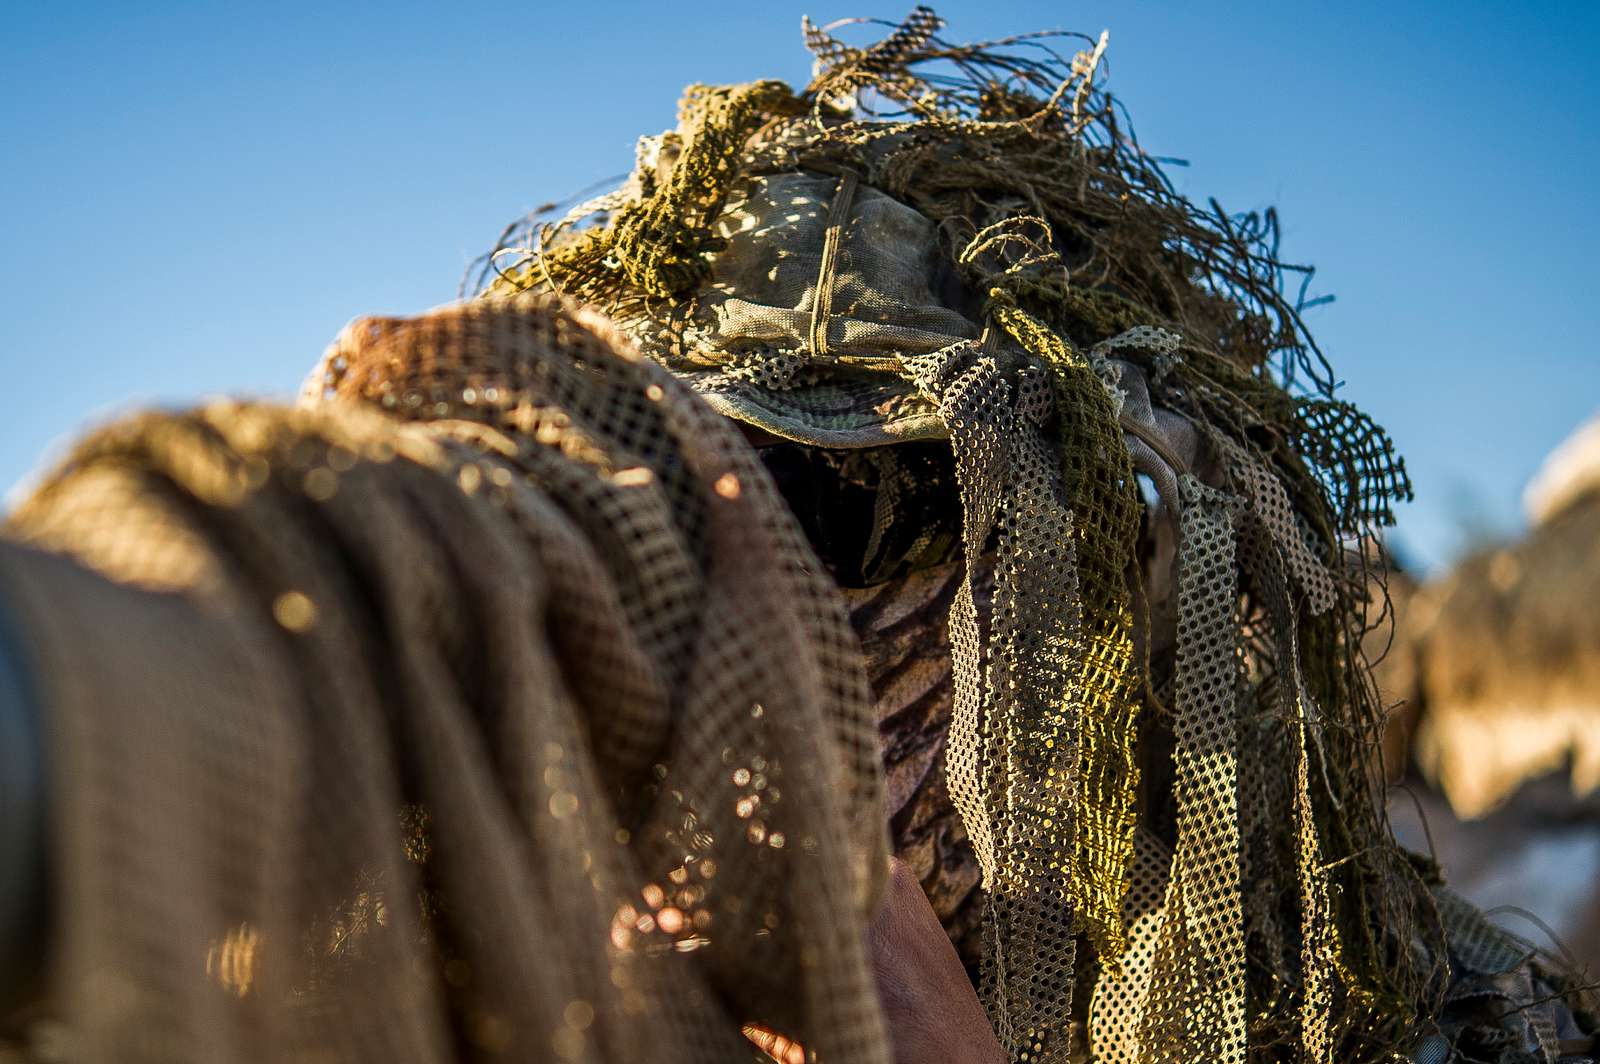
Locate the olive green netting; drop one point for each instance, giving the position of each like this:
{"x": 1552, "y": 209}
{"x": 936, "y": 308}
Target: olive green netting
{"x": 1100, "y": 486}
{"x": 657, "y": 243}
{"x": 1009, "y": 184}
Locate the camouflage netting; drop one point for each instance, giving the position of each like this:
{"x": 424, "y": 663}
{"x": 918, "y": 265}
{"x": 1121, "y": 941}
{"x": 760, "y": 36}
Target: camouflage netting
{"x": 519, "y": 725}
{"x": 491, "y": 705}
{"x": 1162, "y": 728}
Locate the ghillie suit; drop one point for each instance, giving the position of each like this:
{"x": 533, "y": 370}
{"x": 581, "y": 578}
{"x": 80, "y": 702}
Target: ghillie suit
{"x": 492, "y": 706}
{"x": 964, "y": 326}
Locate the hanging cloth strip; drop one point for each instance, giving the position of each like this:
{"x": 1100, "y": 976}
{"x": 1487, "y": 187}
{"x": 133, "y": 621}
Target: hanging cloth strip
{"x": 1012, "y": 747}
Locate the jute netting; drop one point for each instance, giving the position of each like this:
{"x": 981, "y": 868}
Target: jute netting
{"x": 489, "y": 706}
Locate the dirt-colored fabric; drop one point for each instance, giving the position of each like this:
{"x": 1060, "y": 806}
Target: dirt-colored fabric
{"x": 527, "y": 730}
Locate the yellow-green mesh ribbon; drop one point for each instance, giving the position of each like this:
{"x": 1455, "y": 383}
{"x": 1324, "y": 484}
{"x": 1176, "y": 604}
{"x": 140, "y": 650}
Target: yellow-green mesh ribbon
{"x": 1098, "y": 476}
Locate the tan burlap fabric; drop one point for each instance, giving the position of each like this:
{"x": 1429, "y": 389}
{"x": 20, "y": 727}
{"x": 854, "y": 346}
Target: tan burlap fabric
{"x": 528, "y": 732}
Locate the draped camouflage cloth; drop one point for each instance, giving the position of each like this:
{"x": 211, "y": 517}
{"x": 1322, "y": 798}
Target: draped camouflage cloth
{"x": 530, "y": 731}
{"x": 1160, "y": 733}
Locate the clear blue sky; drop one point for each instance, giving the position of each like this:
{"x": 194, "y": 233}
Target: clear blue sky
{"x": 197, "y": 198}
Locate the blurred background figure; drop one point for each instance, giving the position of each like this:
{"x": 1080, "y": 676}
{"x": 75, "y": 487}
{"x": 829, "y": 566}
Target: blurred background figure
{"x": 1498, "y": 742}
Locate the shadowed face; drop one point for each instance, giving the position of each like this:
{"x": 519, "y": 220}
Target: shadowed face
{"x": 902, "y": 623}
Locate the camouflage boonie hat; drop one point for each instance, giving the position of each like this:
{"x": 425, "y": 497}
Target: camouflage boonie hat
{"x": 823, "y": 287}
